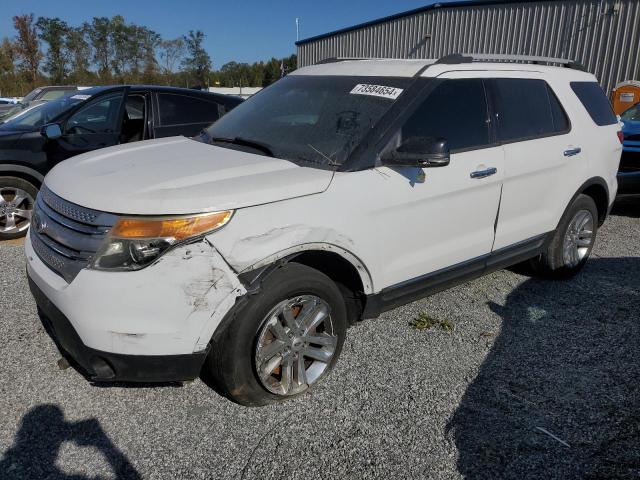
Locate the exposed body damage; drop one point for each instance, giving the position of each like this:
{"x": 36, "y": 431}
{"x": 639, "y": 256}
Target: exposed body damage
{"x": 179, "y": 307}
{"x": 256, "y": 251}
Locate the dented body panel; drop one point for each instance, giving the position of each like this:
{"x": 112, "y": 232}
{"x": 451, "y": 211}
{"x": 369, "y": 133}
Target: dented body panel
{"x": 164, "y": 309}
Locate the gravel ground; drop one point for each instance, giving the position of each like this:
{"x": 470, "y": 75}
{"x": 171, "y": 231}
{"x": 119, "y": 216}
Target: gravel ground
{"x": 536, "y": 380}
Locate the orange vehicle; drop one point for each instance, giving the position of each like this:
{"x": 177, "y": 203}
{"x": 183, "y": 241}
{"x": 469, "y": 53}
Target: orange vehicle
{"x": 625, "y": 95}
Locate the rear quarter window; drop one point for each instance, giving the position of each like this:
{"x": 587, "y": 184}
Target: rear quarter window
{"x": 595, "y": 101}
{"x": 176, "y": 109}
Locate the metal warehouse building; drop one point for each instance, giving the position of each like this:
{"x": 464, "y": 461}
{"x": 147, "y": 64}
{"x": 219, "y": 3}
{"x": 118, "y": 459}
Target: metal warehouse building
{"x": 603, "y": 35}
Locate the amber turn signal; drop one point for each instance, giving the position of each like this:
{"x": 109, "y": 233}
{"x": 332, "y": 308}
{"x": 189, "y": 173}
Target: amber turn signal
{"x": 179, "y": 228}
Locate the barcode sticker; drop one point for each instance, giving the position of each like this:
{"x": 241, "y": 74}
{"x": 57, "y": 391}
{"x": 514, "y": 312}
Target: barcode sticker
{"x": 376, "y": 91}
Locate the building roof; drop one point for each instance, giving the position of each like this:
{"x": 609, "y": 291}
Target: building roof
{"x": 431, "y": 6}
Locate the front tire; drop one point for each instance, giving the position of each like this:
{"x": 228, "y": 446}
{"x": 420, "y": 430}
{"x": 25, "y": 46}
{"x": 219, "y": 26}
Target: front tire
{"x": 283, "y": 341}
{"x": 572, "y": 242}
{"x": 17, "y": 199}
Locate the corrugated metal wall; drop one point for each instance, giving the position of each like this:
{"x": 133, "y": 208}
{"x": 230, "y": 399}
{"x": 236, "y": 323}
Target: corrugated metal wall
{"x": 603, "y": 35}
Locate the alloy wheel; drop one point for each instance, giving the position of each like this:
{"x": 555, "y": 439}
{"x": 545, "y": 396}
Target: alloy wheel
{"x": 16, "y": 207}
{"x": 578, "y": 238}
{"x": 295, "y": 345}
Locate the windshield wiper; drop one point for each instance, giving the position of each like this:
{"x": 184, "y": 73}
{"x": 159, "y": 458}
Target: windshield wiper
{"x": 245, "y": 142}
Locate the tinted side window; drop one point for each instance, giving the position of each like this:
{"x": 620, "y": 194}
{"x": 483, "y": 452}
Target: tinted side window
{"x": 524, "y": 109}
{"x": 100, "y": 116}
{"x": 182, "y": 109}
{"x": 455, "y": 110}
{"x": 595, "y": 101}
{"x": 560, "y": 119}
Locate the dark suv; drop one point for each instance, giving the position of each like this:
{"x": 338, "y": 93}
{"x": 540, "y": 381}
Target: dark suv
{"x": 38, "y": 138}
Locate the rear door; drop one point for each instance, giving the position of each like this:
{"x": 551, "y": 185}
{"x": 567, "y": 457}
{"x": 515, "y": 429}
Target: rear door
{"x": 541, "y": 151}
{"x": 183, "y": 114}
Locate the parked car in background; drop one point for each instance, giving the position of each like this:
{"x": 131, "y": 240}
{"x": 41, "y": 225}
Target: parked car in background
{"x": 342, "y": 190}
{"x": 7, "y": 104}
{"x": 40, "y": 94}
{"x": 39, "y": 137}
{"x": 629, "y": 174}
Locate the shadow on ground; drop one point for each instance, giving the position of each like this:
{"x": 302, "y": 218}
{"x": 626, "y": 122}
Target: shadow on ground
{"x": 567, "y": 361}
{"x": 42, "y": 432}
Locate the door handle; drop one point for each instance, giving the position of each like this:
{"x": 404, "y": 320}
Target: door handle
{"x": 572, "y": 151}
{"x": 487, "y": 172}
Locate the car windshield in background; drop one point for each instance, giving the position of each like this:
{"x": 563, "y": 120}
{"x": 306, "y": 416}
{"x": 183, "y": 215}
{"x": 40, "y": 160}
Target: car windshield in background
{"x": 35, "y": 117}
{"x": 632, "y": 114}
{"x": 313, "y": 121}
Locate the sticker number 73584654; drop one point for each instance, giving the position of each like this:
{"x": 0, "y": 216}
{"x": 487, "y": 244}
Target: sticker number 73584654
{"x": 376, "y": 91}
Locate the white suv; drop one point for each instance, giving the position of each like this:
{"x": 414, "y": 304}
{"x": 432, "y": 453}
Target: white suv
{"x": 343, "y": 190}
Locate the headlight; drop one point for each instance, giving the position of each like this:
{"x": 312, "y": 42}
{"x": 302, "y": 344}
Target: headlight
{"x": 133, "y": 243}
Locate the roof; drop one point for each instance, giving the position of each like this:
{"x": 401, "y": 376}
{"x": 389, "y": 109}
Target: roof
{"x": 409, "y": 68}
{"x": 162, "y": 88}
{"x": 426, "y": 8}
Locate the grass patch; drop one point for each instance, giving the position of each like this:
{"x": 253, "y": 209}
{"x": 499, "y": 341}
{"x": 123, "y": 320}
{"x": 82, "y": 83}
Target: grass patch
{"x": 424, "y": 322}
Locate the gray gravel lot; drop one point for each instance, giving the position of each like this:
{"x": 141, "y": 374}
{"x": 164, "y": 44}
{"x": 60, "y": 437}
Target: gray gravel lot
{"x": 526, "y": 357}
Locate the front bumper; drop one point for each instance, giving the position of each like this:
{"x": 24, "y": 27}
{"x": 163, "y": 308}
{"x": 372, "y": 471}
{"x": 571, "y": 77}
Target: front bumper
{"x": 139, "y": 322}
{"x": 106, "y": 366}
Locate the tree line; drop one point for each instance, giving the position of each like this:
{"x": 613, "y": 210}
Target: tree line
{"x": 110, "y": 50}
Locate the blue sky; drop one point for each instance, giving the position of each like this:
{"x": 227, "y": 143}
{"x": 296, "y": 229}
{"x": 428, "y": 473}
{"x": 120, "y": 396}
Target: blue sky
{"x": 244, "y": 31}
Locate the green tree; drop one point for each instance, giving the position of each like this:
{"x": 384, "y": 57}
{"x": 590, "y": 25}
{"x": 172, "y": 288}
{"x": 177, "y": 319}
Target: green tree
{"x": 54, "y": 32}
{"x": 171, "y": 53}
{"x": 26, "y": 46}
{"x": 198, "y": 63}
{"x": 79, "y": 52}
{"x": 99, "y": 32}
{"x": 7, "y": 68}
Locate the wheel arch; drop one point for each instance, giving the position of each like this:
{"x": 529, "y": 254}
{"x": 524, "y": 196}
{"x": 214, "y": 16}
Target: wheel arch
{"x": 20, "y": 171}
{"x": 344, "y": 268}
{"x": 598, "y": 190}
{"x": 336, "y": 262}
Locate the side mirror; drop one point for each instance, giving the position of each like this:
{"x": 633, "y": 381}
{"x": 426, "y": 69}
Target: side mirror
{"x": 421, "y": 152}
{"x": 51, "y": 131}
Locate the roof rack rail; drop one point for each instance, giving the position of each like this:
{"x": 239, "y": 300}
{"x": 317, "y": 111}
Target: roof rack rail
{"x": 340, "y": 59}
{"x": 457, "y": 58}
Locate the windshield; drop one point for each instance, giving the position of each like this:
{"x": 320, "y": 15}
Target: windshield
{"x": 38, "y": 115}
{"x": 633, "y": 114}
{"x": 314, "y": 121}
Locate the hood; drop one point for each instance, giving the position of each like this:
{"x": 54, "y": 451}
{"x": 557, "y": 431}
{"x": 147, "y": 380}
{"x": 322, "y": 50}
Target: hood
{"x": 176, "y": 175}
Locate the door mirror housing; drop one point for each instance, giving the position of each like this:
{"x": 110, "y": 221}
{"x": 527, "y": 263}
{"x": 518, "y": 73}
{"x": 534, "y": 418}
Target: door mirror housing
{"x": 421, "y": 152}
{"x": 51, "y": 131}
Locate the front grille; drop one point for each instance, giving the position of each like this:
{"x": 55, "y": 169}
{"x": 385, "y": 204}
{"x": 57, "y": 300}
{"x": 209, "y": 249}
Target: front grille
{"x": 66, "y": 236}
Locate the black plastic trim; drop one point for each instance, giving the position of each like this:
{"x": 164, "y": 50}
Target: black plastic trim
{"x": 419, "y": 287}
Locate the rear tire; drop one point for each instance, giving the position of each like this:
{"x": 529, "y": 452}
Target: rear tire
{"x": 572, "y": 242}
{"x": 17, "y": 199}
{"x": 281, "y": 342}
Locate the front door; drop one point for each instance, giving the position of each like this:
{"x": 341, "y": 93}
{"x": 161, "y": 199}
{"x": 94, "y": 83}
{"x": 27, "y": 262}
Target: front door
{"x": 440, "y": 217}
{"x": 95, "y": 125}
